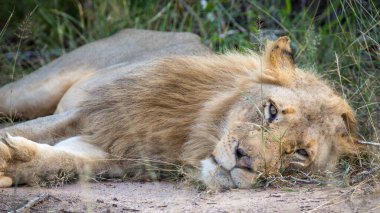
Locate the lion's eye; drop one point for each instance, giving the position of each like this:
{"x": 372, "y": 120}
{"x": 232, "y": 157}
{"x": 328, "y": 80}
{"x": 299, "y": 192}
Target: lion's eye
{"x": 303, "y": 153}
{"x": 272, "y": 112}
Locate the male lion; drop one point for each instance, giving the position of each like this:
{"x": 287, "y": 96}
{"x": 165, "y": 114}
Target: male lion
{"x": 141, "y": 103}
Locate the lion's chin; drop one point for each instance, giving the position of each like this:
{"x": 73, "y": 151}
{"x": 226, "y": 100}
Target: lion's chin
{"x": 217, "y": 177}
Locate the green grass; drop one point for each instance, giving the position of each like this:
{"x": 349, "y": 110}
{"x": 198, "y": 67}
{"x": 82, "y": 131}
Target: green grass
{"x": 337, "y": 39}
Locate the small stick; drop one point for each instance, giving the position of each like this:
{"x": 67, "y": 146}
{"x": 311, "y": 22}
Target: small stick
{"x": 369, "y": 143}
{"x": 31, "y": 203}
{"x": 307, "y": 181}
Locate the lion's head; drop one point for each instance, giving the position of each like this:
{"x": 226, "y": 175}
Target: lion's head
{"x": 291, "y": 120}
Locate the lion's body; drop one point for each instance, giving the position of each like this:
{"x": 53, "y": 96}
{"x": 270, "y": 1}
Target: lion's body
{"x": 170, "y": 96}
{"x": 142, "y": 109}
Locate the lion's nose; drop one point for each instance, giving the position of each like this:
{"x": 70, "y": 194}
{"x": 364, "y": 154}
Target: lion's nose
{"x": 243, "y": 160}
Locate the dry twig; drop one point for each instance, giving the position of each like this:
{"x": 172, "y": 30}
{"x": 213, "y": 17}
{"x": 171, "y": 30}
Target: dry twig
{"x": 369, "y": 143}
{"x": 26, "y": 208}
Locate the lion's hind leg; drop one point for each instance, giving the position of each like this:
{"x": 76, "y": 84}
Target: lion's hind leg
{"x": 23, "y": 161}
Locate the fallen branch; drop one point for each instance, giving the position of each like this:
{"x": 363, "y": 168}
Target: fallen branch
{"x": 26, "y": 208}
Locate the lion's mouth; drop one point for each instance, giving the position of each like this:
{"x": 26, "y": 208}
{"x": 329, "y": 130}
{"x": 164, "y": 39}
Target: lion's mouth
{"x": 240, "y": 175}
{"x": 230, "y": 166}
{"x": 242, "y": 161}
{"x": 214, "y": 175}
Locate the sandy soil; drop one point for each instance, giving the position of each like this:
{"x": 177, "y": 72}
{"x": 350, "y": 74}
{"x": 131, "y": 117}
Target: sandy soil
{"x": 179, "y": 197}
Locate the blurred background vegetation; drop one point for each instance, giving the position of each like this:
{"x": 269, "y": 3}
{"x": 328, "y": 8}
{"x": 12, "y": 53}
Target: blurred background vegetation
{"x": 339, "y": 39}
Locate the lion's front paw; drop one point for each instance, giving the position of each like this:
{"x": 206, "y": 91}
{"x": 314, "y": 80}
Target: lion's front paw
{"x": 5, "y": 181}
{"x": 5, "y": 152}
{"x": 16, "y": 149}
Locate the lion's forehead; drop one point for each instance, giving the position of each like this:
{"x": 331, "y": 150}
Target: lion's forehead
{"x": 314, "y": 113}
{"x": 322, "y": 126}
{"x": 316, "y": 105}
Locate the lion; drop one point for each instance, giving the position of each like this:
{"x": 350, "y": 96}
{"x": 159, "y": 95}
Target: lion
{"x": 142, "y": 104}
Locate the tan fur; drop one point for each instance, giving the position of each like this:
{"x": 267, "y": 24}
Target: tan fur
{"x": 207, "y": 112}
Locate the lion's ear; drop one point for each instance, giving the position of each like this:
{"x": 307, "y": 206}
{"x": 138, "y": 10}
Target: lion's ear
{"x": 348, "y": 143}
{"x": 349, "y": 121}
{"x": 279, "y": 63}
{"x": 349, "y": 146}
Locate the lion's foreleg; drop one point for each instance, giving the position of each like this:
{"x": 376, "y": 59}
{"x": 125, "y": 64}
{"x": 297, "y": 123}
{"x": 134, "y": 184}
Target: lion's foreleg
{"x": 26, "y": 162}
{"x": 47, "y": 129}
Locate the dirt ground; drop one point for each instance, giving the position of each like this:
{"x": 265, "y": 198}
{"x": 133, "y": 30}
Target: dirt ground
{"x": 179, "y": 197}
